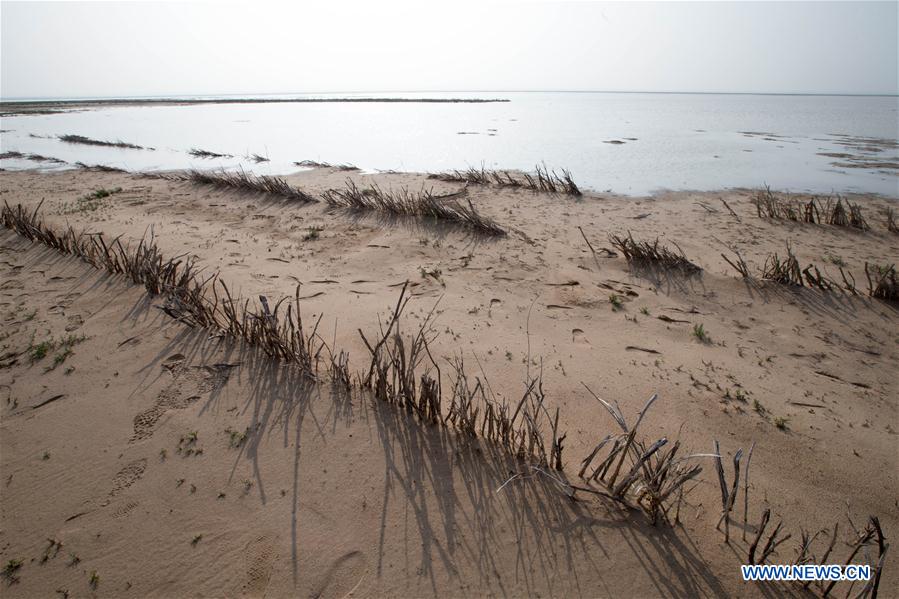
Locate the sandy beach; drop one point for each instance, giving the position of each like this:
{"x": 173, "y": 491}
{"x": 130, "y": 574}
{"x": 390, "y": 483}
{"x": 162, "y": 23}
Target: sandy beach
{"x": 172, "y": 461}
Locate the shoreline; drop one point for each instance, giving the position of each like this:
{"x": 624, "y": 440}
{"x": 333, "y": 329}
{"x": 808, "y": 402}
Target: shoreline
{"x": 24, "y": 107}
{"x": 58, "y": 166}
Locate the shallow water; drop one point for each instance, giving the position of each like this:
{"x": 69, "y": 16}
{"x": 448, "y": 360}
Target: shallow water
{"x": 671, "y": 141}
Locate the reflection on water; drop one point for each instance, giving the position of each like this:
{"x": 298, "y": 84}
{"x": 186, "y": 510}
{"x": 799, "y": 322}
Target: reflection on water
{"x": 626, "y": 143}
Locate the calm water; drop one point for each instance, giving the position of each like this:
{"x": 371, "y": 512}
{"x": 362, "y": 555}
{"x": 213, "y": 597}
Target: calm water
{"x": 671, "y": 141}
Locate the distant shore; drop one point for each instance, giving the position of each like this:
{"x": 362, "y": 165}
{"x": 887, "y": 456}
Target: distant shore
{"x": 11, "y": 108}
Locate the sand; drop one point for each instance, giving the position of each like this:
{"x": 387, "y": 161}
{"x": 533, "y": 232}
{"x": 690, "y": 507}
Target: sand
{"x": 329, "y": 495}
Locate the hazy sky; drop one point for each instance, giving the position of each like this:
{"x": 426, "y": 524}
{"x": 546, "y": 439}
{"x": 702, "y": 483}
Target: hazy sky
{"x": 76, "y": 49}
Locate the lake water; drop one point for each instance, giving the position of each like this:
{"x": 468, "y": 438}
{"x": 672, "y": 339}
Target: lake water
{"x": 670, "y": 141}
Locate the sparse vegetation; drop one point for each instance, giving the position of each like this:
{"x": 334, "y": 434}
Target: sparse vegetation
{"x": 882, "y": 282}
{"x": 446, "y": 208}
{"x": 200, "y": 153}
{"x": 314, "y": 164}
{"x": 11, "y": 569}
{"x": 653, "y": 254}
{"x": 80, "y": 139}
{"x": 236, "y": 438}
{"x": 701, "y": 334}
{"x": 616, "y": 301}
{"x": 241, "y": 180}
{"x": 544, "y": 179}
{"x": 89, "y": 202}
{"x": 41, "y": 350}
{"x": 840, "y": 212}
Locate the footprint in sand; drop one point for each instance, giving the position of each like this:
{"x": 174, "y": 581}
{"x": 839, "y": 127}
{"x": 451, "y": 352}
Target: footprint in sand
{"x": 74, "y": 322}
{"x": 125, "y": 509}
{"x": 578, "y": 336}
{"x": 128, "y": 475}
{"x": 186, "y": 387}
{"x": 344, "y": 575}
{"x": 260, "y": 555}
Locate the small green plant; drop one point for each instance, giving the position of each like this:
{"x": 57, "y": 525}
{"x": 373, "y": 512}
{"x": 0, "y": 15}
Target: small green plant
{"x": 40, "y": 351}
{"x": 94, "y": 580}
{"x": 196, "y": 540}
{"x": 221, "y": 495}
{"x": 103, "y": 193}
{"x": 758, "y": 407}
{"x": 236, "y": 438}
{"x": 781, "y": 422}
{"x": 46, "y": 455}
{"x": 312, "y": 233}
{"x": 700, "y": 333}
{"x": 9, "y": 571}
{"x": 163, "y": 454}
{"x": 61, "y": 357}
{"x": 30, "y": 316}
{"x": 89, "y": 202}
{"x": 187, "y": 444}
{"x": 835, "y": 260}
{"x": 73, "y": 559}
{"x": 434, "y": 273}
{"x": 644, "y": 311}
{"x": 616, "y": 301}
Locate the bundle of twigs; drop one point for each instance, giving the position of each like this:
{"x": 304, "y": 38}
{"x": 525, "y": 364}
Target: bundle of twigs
{"x": 648, "y": 474}
{"x": 80, "y": 139}
{"x": 543, "y": 179}
{"x": 769, "y": 205}
{"x": 850, "y": 216}
{"x": 840, "y": 213}
{"x": 652, "y": 254}
{"x": 405, "y": 203}
{"x": 184, "y": 290}
{"x": 32, "y": 157}
{"x": 882, "y": 283}
{"x": 890, "y": 216}
{"x": 243, "y": 181}
{"x": 100, "y": 168}
{"x": 315, "y": 164}
{"x": 785, "y": 271}
{"x": 403, "y": 372}
{"x": 201, "y": 153}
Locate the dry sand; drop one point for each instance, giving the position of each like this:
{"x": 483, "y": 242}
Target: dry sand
{"x": 330, "y": 496}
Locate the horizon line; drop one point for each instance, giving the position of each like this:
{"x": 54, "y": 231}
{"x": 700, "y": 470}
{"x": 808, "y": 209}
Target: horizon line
{"x": 23, "y": 99}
